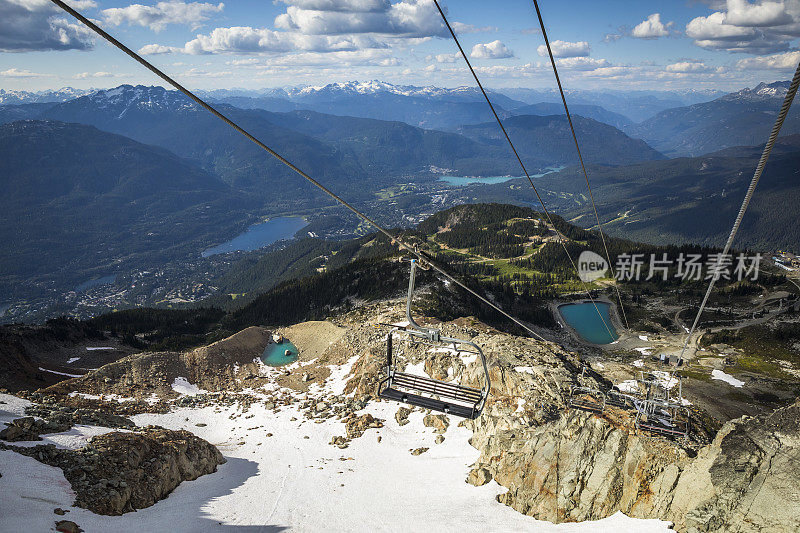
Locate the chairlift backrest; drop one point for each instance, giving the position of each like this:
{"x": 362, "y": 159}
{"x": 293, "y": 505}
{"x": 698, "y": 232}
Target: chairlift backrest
{"x": 422, "y": 391}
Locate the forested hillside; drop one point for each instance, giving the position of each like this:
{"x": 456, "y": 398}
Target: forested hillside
{"x": 546, "y": 140}
{"x": 77, "y": 200}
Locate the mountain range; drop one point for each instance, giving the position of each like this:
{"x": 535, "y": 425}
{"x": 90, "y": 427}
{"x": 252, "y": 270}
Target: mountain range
{"x": 543, "y": 140}
{"x": 136, "y": 174}
{"x": 340, "y": 150}
{"x": 77, "y": 200}
{"x": 11, "y": 97}
{"x": 681, "y": 200}
{"x": 742, "y": 118}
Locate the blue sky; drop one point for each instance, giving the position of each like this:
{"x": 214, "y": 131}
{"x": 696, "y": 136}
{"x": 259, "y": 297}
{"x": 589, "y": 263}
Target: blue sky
{"x": 613, "y": 44}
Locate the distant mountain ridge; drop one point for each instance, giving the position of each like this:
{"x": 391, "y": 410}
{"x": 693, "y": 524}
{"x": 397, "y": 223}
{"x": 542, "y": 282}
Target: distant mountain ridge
{"x": 742, "y": 118}
{"x": 427, "y": 107}
{"x": 357, "y": 155}
{"x": 11, "y": 97}
{"x": 543, "y": 138}
{"x": 594, "y": 112}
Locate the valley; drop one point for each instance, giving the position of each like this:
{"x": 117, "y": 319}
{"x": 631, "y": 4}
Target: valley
{"x": 228, "y": 260}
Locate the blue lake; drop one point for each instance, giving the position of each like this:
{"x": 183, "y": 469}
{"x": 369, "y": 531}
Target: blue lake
{"x": 275, "y": 353}
{"x": 105, "y": 280}
{"x": 491, "y": 180}
{"x": 583, "y": 318}
{"x": 260, "y": 235}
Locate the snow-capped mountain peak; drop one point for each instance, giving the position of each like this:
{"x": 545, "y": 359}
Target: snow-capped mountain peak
{"x": 762, "y": 91}
{"x": 151, "y": 98}
{"x": 11, "y": 97}
{"x": 354, "y": 88}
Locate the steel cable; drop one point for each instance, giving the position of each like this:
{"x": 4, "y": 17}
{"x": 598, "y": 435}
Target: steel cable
{"x": 522, "y": 165}
{"x": 787, "y": 103}
{"x": 580, "y": 157}
{"x": 407, "y": 247}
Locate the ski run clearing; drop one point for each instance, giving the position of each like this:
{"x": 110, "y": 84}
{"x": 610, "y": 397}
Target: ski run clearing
{"x": 282, "y": 474}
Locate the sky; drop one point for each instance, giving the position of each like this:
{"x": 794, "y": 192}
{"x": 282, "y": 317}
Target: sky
{"x": 253, "y": 44}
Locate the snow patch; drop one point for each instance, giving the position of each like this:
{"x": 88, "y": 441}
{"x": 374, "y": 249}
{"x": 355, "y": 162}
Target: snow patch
{"x": 96, "y": 348}
{"x": 645, "y": 350}
{"x": 727, "y": 378}
{"x": 182, "y": 386}
{"x": 644, "y": 338}
{"x": 338, "y": 378}
{"x": 524, "y": 369}
{"x": 638, "y": 363}
{"x": 629, "y": 385}
{"x": 72, "y": 360}
{"x": 61, "y": 373}
{"x": 665, "y": 379}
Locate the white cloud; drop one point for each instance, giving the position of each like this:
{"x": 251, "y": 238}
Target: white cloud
{"x": 82, "y": 4}
{"x": 785, "y": 61}
{"x": 743, "y": 13}
{"x": 409, "y": 18}
{"x": 156, "y": 49}
{"x": 611, "y": 72}
{"x": 35, "y": 25}
{"x": 24, "y": 73}
{"x": 244, "y": 40}
{"x": 333, "y": 60}
{"x": 651, "y": 28}
{"x": 349, "y": 6}
{"x": 460, "y": 27}
{"x": 565, "y": 49}
{"x": 713, "y": 27}
{"x": 510, "y": 71}
{"x": 761, "y": 28}
{"x": 447, "y": 58}
{"x": 493, "y": 50}
{"x": 162, "y": 14}
{"x": 87, "y": 75}
{"x": 582, "y": 63}
{"x": 688, "y": 67}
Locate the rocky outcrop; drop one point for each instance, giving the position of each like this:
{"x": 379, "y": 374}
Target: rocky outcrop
{"x": 121, "y": 472}
{"x": 565, "y": 465}
{"x": 584, "y": 467}
{"x": 224, "y": 365}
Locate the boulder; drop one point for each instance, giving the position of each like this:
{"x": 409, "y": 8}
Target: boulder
{"x": 357, "y": 425}
{"x": 121, "y": 472}
{"x": 440, "y": 423}
{"x": 479, "y": 476}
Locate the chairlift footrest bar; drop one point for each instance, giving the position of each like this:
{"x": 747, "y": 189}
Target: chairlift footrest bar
{"x": 586, "y": 406}
{"x": 442, "y": 389}
{"x": 661, "y": 430}
{"x": 464, "y": 411}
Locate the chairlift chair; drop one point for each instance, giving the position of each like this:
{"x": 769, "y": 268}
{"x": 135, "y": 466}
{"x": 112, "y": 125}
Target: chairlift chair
{"x": 586, "y": 398}
{"x": 425, "y": 392}
{"x": 617, "y": 398}
{"x": 659, "y": 413}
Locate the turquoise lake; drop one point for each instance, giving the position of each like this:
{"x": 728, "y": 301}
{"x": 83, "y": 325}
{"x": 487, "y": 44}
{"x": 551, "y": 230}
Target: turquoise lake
{"x": 491, "y": 180}
{"x": 275, "y": 353}
{"x": 583, "y": 318}
{"x": 260, "y": 235}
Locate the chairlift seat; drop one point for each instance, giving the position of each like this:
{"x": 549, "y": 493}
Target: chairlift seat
{"x": 618, "y": 399}
{"x": 586, "y": 399}
{"x": 425, "y": 392}
{"x": 449, "y": 398}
